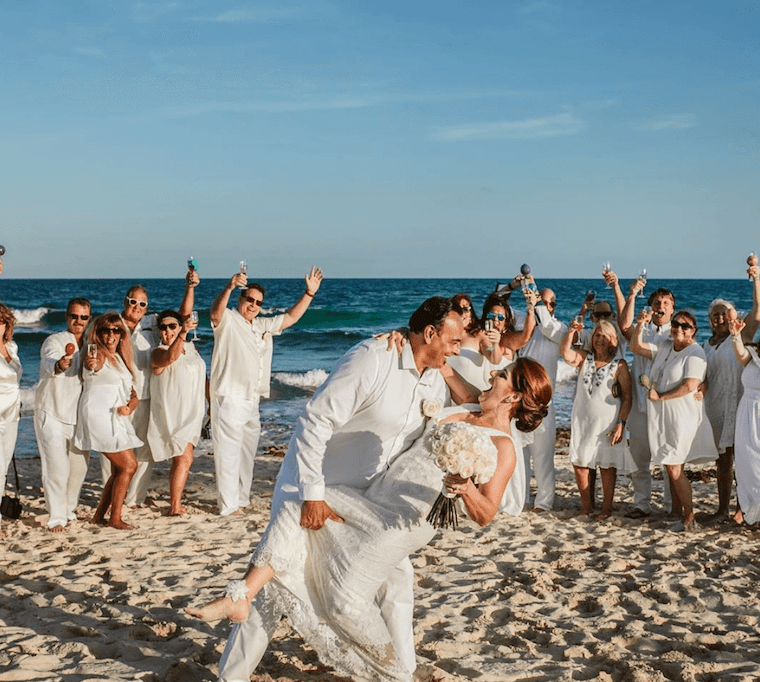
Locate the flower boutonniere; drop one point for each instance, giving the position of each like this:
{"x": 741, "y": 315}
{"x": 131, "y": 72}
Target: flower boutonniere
{"x": 430, "y": 407}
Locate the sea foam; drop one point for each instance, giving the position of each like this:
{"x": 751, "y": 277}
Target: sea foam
{"x": 311, "y": 380}
{"x": 29, "y": 317}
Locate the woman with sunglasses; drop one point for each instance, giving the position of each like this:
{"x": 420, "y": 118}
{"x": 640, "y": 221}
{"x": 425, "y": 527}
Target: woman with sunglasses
{"x": 10, "y": 403}
{"x": 678, "y": 428}
{"x": 177, "y": 401}
{"x": 498, "y": 313}
{"x": 108, "y": 399}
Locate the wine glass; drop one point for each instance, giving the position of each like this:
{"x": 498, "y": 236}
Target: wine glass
{"x": 578, "y": 342}
{"x": 643, "y": 279}
{"x": 194, "y": 318}
{"x": 243, "y": 271}
{"x": 648, "y": 310}
{"x": 92, "y": 353}
{"x": 606, "y": 267}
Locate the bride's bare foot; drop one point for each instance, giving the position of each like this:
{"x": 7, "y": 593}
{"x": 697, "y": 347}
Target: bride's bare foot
{"x": 224, "y": 607}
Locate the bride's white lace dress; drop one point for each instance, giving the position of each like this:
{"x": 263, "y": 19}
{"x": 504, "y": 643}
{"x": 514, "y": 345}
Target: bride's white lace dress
{"x": 327, "y": 580}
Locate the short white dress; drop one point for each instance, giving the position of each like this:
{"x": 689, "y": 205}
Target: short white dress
{"x": 724, "y": 391}
{"x": 679, "y": 431}
{"x": 595, "y": 413}
{"x": 747, "y": 447}
{"x": 177, "y": 405}
{"x": 99, "y": 426}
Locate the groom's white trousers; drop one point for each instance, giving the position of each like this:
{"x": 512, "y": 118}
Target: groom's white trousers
{"x": 248, "y": 641}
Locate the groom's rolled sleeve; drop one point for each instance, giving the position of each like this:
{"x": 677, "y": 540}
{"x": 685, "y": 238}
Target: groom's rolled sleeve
{"x": 337, "y": 400}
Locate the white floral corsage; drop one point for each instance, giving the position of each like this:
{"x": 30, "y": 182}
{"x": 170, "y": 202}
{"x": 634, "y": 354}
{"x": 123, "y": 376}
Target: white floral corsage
{"x": 236, "y": 590}
{"x": 430, "y": 407}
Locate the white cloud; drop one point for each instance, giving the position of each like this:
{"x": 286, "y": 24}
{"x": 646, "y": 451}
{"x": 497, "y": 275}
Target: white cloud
{"x": 671, "y": 122}
{"x": 559, "y": 125}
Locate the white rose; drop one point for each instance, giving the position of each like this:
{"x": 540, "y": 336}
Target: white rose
{"x": 431, "y": 407}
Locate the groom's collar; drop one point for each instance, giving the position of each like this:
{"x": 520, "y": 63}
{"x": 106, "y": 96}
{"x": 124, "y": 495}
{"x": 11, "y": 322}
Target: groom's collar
{"x": 406, "y": 361}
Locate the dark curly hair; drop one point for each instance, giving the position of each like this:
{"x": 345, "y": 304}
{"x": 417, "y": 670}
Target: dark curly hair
{"x": 531, "y": 380}
{"x": 493, "y": 300}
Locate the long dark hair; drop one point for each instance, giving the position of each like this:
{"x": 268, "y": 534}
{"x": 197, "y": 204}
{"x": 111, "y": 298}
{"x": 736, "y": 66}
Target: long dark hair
{"x": 474, "y": 320}
{"x": 495, "y": 299}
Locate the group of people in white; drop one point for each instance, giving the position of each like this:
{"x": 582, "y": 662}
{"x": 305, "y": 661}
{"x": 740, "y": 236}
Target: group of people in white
{"x": 357, "y": 481}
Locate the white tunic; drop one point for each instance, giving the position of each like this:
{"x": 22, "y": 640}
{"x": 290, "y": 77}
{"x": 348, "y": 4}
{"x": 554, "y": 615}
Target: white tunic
{"x": 177, "y": 405}
{"x": 724, "y": 390}
{"x": 99, "y": 426}
{"x": 58, "y": 394}
{"x": 10, "y": 376}
{"x": 678, "y": 428}
{"x": 595, "y": 413}
{"x": 747, "y": 450}
{"x": 242, "y": 359}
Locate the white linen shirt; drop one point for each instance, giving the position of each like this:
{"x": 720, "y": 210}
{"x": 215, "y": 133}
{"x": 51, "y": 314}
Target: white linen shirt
{"x": 543, "y": 346}
{"x": 367, "y": 412}
{"x": 641, "y": 365}
{"x": 144, "y": 339}
{"x": 241, "y": 363}
{"x": 58, "y": 394}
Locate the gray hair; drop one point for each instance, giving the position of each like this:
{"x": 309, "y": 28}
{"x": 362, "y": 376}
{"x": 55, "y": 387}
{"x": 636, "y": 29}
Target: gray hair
{"x": 720, "y": 301}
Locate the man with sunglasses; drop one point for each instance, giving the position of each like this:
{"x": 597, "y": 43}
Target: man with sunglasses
{"x": 64, "y": 466}
{"x": 144, "y": 337}
{"x": 663, "y": 304}
{"x": 240, "y": 372}
{"x": 600, "y": 311}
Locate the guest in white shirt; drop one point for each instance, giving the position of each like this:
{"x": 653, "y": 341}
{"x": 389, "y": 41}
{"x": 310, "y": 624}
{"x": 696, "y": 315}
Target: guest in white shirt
{"x": 240, "y": 371}
{"x": 64, "y": 466}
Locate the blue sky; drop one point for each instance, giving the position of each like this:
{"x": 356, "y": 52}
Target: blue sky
{"x": 379, "y": 139}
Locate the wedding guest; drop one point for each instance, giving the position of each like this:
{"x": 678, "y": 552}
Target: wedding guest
{"x": 240, "y": 370}
{"x": 10, "y": 403}
{"x": 679, "y": 431}
{"x": 544, "y": 347}
{"x": 722, "y": 388}
{"x": 177, "y": 404}
{"x": 656, "y": 330}
{"x": 108, "y": 399}
{"x": 64, "y": 466}
{"x": 144, "y": 337}
{"x": 600, "y": 409}
{"x": 747, "y": 440}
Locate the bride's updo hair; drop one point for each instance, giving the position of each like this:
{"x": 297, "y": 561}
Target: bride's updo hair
{"x": 531, "y": 380}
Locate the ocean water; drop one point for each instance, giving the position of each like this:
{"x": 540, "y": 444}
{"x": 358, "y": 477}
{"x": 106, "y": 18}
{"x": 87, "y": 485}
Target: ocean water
{"x": 344, "y": 312}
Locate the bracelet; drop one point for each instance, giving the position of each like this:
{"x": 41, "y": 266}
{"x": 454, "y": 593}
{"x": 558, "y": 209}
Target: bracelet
{"x": 621, "y": 421}
{"x": 308, "y": 293}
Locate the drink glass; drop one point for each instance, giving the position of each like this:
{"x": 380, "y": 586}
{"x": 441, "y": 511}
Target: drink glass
{"x": 606, "y": 267}
{"x": 194, "y": 318}
{"x": 243, "y": 271}
{"x": 578, "y": 343}
{"x": 92, "y": 352}
{"x": 643, "y": 279}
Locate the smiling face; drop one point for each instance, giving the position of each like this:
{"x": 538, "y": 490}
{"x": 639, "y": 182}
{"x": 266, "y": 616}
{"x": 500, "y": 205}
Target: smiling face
{"x": 662, "y": 309}
{"x": 77, "y": 317}
{"x": 110, "y": 335}
{"x": 169, "y": 328}
{"x": 501, "y": 389}
{"x": 498, "y": 315}
{"x": 135, "y": 305}
{"x": 602, "y": 341}
{"x": 444, "y": 342}
{"x": 682, "y": 330}
{"x": 719, "y": 316}
{"x": 249, "y": 303}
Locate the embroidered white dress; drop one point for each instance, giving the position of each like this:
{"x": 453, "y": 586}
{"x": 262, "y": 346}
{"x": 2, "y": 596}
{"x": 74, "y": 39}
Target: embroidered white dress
{"x": 177, "y": 405}
{"x": 327, "y": 581}
{"x": 595, "y": 413}
{"x": 747, "y": 447}
{"x": 99, "y": 426}
{"x": 679, "y": 431}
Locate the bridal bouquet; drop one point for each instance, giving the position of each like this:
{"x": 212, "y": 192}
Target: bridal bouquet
{"x": 463, "y": 449}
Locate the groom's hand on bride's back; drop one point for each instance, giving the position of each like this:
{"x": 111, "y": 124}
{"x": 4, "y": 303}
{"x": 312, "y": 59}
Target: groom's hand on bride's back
{"x": 315, "y": 513}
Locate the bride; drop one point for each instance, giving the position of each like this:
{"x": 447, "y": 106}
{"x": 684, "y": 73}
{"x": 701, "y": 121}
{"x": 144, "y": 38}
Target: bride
{"x": 334, "y": 608}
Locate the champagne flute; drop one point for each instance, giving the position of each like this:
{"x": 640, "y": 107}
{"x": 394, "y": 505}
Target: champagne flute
{"x": 578, "y": 342}
{"x": 606, "y": 267}
{"x": 194, "y": 318}
{"x": 643, "y": 279}
{"x": 92, "y": 353}
{"x": 243, "y": 271}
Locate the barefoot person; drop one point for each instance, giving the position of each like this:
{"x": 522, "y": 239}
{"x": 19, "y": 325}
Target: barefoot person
{"x": 108, "y": 399}
{"x": 349, "y": 561}
{"x": 365, "y": 414}
{"x": 64, "y": 466}
{"x": 10, "y": 403}
{"x": 177, "y": 403}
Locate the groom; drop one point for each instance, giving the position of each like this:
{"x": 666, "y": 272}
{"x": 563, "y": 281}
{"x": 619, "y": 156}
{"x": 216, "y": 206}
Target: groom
{"x": 365, "y": 415}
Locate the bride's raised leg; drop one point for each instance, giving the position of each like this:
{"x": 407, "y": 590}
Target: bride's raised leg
{"x": 238, "y": 595}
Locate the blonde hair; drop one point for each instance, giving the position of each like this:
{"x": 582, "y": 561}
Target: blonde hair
{"x": 124, "y": 347}
{"x": 608, "y": 330}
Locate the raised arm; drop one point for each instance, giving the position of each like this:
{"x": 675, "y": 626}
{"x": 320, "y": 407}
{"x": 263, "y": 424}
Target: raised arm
{"x": 548, "y": 325}
{"x": 161, "y": 358}
{"x": 742, "y": 354}
{"x": 188, "y": 300}
{"x": 637, "y": 344}
{"x": 626, "y": 315}
{"x": 611, "y": 279}
{"x": 220, "y": 302}
{"x": 514, "y": 340}
{"x": 571, "y": 356}
{"x": 752, "y": 321}
{"x": 313, "y": 281}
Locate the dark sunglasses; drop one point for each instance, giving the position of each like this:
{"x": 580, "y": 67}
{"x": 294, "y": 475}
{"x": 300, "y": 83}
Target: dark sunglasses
{"x": 604, "y": 314}
{"x": 681, "y": 325}
{"x": 134, "y": 301}
{"x": 110, "y": 330}
{"x": 464, "y": 306}
{"x": 496, "y": 316}
{"x": 170, "y": 325}
{"x": 73, "y": 316}
{"x": 255, "y": 301}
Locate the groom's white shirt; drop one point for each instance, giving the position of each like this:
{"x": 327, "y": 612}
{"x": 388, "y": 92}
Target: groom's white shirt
{"x": 367, "y": 413}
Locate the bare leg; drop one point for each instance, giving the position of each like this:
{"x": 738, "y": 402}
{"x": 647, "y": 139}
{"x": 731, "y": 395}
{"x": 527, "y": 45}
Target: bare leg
{"x": 725, "y": 469}
{"x": 105, "y": 501}
{"x": 124, "y": 464}
{"x": 592, "y": 486}
{"x": 609, "y": 476}
{"x": 236, "y": 611}
{"x": 582, "y": 479}
{"x": 178, "y": 479}
{"x": 681, "y": 489}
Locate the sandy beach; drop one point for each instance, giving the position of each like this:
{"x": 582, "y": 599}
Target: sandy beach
{"x": 538, "y": 597}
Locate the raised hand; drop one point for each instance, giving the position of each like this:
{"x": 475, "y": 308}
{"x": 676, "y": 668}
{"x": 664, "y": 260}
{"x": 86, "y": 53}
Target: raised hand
{"x": 313, "y": 280}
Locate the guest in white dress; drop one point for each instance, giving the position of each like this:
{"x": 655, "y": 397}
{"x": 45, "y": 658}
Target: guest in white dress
{"x": 10, "y": 403}
{"x": 177, "y": 404}
{"x": 108, "y": 399}
{"x": 602, "y": 402}
{"x": 679, "y": 431}
{"x": 747, "y": 441}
